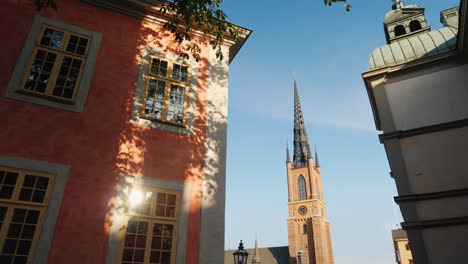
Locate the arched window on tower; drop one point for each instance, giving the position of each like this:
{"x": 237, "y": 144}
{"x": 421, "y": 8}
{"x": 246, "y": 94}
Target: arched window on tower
{"x": 301, "y": 188}
{"x": 415, "y": 25}
{"x": 400, "y": 30}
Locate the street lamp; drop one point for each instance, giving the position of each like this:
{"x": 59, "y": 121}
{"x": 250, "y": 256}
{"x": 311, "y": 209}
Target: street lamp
{"x": 240, "y": 255}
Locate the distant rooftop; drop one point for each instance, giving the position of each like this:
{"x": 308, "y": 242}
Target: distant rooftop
{"x": 399, "y": 234}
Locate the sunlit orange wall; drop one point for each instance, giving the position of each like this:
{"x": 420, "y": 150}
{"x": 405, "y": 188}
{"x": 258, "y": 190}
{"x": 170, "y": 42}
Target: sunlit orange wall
{"x": 98, "y": 143}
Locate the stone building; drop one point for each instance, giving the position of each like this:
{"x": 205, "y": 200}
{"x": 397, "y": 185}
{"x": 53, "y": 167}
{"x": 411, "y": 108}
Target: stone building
{"x": 417, "y": 90}
{"x": 402, "y": 247}
{"x": 113, "y": 147}
{"x": 309, "y": 238}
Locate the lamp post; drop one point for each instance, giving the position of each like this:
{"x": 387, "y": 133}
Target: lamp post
{"x": 240, "y": 255}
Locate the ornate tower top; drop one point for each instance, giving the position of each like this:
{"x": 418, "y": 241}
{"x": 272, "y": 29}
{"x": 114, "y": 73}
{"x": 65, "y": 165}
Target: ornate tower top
{"x": 404, "y": 21}
{"x": 301, "y": 142}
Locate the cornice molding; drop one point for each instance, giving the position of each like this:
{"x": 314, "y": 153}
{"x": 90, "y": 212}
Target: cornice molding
{"x": 148, "y": 10}
{"x": 423, "y": 130}
{"x": 430, "y": 196}
{"x": 435, "y": 223}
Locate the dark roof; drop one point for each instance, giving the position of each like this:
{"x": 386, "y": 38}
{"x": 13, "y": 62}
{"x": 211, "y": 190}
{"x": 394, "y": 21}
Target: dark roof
{"x": 271, "y": 255}
{"x": 301, "y": 141}
{"x": 399, "y": 234}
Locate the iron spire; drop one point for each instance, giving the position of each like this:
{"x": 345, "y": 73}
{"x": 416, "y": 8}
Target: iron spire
{"x": 301, "y": 142}
{"x": 317, "y": 164}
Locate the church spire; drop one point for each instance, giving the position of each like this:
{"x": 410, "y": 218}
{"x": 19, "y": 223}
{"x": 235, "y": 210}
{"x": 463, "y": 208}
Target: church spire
{"x": 317, "y": 164}
{"x": 288, "y": 157}
{"x": 301, "y": 142}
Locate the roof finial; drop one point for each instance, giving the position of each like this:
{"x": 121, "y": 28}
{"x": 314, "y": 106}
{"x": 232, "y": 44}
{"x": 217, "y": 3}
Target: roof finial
{"x": 288, "y": 159}
{"x": 398, "y": 4}
{"x": 317, "y": 164}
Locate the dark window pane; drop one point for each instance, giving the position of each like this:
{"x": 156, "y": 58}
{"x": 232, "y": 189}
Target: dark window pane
{"x": 67, "y": 93}
{"x": 29, "y": 181}
{"x": 127, "y": 255}
{"x": 6, "y": 259}
{"x": 38, "y": 196}
{"x": 139, "y": 255}
{"x": 80, "y": 50}
{"x": 73, "y": 39}
{"x": 130, "y": 240}
{"x": 160, "y": 210}
{"x": 176, "y": 72}
{"x": 20, "y": 260}
{"x": 41, "y": 86}
{"x": 168, "y": 230}
{"x": 33, "y": 217}
{"x": 157, "y": 229}
{"x": 18, "y": 215}
{"x": 47, "y": 37}
{"x": 72, "y": 43}
{"x": 83, "y": 42}
{"x": 40, "y": 55}
{"x": 156, "y": 243}
{"x": 28, "y": 231}
{"x": 42, "y": 183}
{"x": 140, "y": 242}
{"x": 161, "y": 198}
{"x": 155, "y": 256}
{"x": 167, "y": 243}
{"x": 24, "y": 247}
{"x": 166, "y": 258}
{"x": 170, "y": 211}
{"x": 6, "y": 192}
{"x": 25, "y": 194}
{"x": 57, "y": 41}
{"x": 14, "y": 230}
{"x": 171, "y": 199}
{"x": 10, "y": 178}
{"x": 132, "y": 227}
{"x": 2, "y": 213}
{"x": 76, "y": 64}
{"x": 142, "y": 228}
{"x": 10, "y": 246}
{"x": 51, "y": 57}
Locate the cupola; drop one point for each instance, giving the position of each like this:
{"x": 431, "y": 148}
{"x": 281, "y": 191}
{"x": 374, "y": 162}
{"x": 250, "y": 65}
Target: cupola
{"x": 404, "y": 21}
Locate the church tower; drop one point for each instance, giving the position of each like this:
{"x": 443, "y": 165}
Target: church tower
{"x": 308, "y": 228}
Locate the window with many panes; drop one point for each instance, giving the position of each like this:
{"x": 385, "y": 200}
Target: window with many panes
{"x": 150, "y": 236}
{"x": 24, "y": 197}
{"x": 165, "y": 97}
{"x": 56, "y": 65}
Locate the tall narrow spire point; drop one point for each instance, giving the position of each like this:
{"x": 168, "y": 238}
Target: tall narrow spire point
{"x": 317, "y": 164}
{"x": 301, "y": 142}
{"x": 288, "y": 157}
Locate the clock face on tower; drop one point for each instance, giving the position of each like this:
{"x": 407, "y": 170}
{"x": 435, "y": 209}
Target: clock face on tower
{"x": 302, "y": 210}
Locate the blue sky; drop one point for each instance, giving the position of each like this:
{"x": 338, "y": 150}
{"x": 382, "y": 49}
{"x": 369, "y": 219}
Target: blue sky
{"x": 328, "y": 49}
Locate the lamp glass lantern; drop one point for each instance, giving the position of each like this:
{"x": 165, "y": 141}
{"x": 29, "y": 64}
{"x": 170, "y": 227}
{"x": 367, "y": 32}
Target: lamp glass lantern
{"x": 240, "y": 255}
